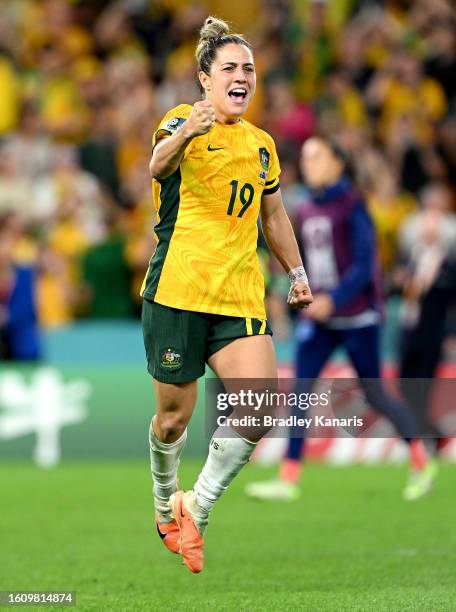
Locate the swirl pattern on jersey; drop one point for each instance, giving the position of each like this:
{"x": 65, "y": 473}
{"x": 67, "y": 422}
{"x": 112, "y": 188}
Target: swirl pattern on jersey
{"x": 208, "y": 210}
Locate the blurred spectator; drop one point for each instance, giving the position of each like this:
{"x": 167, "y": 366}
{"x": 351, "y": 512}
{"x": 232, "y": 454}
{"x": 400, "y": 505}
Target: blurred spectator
{"x": 441, "y": 59}
{"x": 19, "y": 338}
{"x": 30, "y": 147}
{"x": 428, "y": 240}
{"x": 63, "y": 109}
{"x": 292, "y": 189}
{"x": 388, "y": 205}
{"x": 408, "y": 101}
{"x": 56, "y": 295}
{"x": 315, "y": 40}
{"x": 340, "y": 103}
{"x": 98, "y": 154}
{"x": 68, "y": 182}
{"x": 16, "y": 193}
{"x": 107, "y": 276}
{"x": 288, "y": 120}
{"x": 428, "y": 248}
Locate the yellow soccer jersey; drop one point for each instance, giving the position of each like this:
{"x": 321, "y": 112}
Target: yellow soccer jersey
{"x": 206, "y": 259}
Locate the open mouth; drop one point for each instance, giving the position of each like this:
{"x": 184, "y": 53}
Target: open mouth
{"x": 239, "y": 94}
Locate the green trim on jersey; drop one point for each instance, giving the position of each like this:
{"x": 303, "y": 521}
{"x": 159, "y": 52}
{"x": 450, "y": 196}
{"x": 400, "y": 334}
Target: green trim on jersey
{"x": 169, "y": 207}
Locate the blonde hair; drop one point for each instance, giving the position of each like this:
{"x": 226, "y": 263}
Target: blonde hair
{"x": 214, "y": 34}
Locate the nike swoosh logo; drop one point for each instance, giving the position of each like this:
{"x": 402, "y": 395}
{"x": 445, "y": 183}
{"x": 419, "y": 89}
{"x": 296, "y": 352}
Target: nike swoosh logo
{"x": 209, "y": 148}
{"x": 162, "y": 535}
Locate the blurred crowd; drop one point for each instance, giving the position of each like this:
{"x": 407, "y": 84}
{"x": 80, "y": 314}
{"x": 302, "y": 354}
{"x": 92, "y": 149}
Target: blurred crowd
{"x": 83, "y": 84}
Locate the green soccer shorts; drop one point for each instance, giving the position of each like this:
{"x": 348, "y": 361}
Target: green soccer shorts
{"x": 179, "y": 342}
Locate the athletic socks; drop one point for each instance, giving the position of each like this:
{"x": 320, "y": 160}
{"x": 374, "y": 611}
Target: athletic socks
{"x": 418, "y": 455}
{"x": 164, "y": 461}
{"x": 226, "y": 458}
{"x": 290, "y": 470}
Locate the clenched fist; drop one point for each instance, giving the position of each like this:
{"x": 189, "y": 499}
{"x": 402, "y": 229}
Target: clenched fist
{"x": 202, "y": 118}
{"x": 300, "y": 295}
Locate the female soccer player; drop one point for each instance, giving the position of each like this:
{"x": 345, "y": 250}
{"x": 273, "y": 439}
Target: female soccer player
{"x": 214, "y": 173}
{"x": 338, "y": 242}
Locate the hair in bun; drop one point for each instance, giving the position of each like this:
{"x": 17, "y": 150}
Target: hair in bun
{"x": 214, "y": 34}
{"x": 213, "y": 28}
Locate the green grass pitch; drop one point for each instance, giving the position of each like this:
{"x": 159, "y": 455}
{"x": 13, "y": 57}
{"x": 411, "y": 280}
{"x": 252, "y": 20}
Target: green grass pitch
{"x": 350, "y": 543}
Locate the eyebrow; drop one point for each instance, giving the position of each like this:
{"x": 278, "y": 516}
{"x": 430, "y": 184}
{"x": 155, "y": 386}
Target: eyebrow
{"x": 236, "y": 64}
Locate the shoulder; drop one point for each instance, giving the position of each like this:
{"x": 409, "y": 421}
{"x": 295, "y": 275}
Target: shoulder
{"x": 175, "y": 117}
{"x": 183, "y": 110}
{"x": 352, "y": 194}
{"x": 355, "y": 203}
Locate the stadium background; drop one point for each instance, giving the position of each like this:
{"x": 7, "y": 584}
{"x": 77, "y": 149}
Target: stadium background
{"x": 82, "y": 86}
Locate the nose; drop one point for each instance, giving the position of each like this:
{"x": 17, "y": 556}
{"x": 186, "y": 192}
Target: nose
{"x": 240, "y": 77}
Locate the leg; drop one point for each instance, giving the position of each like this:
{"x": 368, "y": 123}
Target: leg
{"x": 246, "y": 357}
{"x": 248, "y": 361}
{"x": 167, "y": 437}
{"x": 175, "y": 343}
{"x": 250, "y": 357}
{"x": 417, "y": 369}
{"x": 313, "y": 350}
{"x": 362, "y": 346}
{"x": 175, "y": 404}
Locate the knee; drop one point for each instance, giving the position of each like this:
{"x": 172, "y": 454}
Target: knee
{"x": 169, "y": 426}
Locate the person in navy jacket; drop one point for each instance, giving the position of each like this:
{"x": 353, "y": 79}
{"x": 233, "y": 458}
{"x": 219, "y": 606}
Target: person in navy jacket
{"x": 338, "y": 244}
{"x": 19, "y": 334}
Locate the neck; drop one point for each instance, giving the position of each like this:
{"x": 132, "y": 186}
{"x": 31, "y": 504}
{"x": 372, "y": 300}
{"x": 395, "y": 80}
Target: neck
{"x": 331, "y": 190}
{"x": 226, "y": 119}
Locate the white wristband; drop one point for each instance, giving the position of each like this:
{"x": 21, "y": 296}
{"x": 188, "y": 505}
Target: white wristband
{"x": 298, "y": 275}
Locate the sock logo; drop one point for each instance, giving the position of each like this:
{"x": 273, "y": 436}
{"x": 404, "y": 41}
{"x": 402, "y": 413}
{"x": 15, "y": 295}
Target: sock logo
{"x": 214, "y": 444}
{"x": 171, "y": 359}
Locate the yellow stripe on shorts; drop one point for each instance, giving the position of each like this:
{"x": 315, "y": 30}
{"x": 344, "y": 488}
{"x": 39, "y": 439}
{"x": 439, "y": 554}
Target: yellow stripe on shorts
{"x": 248, "y": 327}
{"x": 263, "y": 327}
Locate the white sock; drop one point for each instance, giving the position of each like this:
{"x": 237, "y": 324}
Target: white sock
{"x": 164, "y": 461}
{"x": 226, "y": 458}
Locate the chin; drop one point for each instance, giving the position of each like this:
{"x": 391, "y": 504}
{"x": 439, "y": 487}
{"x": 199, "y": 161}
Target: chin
{"x": 315, "y": 184}
{"x": 238, "y": 112}
{"x": 235, "y": 110}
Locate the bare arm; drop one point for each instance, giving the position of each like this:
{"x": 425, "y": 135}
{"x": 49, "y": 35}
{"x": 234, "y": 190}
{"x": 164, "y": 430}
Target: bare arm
{"x": 278, "y": 231}
{"x": 280, "y": 237}
{"x": 168, "y": 153}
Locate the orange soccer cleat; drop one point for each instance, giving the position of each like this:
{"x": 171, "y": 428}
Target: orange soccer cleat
{"x": 169, "y": 533}
{"x": 191, "y": 542}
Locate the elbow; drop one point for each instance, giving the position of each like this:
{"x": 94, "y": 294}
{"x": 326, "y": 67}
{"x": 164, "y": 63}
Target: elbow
{"x": 154, "y": 170}
{"x": 157, "y": 171}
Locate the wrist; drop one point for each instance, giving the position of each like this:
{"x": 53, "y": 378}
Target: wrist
{"x": 187, "y": 131}
{"x": 298, "y": 274}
